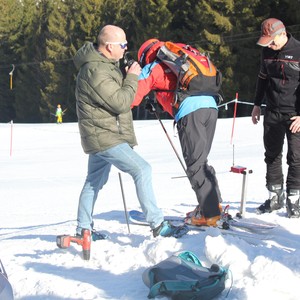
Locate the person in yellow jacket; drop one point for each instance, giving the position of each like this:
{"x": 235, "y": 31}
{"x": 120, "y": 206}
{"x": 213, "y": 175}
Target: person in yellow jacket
{"x": 59, "y": 114}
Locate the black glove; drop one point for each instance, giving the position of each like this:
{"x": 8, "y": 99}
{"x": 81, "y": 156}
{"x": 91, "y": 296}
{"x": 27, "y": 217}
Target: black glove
{"x": 151, "y": 107}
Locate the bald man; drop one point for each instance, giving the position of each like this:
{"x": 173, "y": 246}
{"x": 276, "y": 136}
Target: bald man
{"x": 103, "y": 100}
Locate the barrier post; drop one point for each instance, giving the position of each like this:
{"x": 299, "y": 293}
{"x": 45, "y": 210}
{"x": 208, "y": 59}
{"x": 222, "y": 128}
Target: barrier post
{"x": 11, "y": 137}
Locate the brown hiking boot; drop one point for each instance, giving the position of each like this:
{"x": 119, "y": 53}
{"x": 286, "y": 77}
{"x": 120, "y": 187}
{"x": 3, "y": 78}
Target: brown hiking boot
{"x": 196, "y": 213}
{"x": 202, "y": 221}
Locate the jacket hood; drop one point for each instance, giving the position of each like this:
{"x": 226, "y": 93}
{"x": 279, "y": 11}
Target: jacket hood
{"x": 88, "y": 53}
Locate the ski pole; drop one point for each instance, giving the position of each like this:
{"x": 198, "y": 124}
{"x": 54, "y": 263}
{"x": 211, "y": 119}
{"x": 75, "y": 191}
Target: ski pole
{"x": 164, "y": 129}
{"x": 124, "y": 202}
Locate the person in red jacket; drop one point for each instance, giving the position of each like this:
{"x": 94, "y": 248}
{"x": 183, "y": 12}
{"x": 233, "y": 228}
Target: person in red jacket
{"x": 196, "y": 119}
{"x": 156, "y": 76}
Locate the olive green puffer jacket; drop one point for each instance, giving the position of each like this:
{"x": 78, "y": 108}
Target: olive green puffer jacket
{"x": 103, "y": 99}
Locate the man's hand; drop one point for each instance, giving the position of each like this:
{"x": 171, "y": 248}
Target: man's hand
{"x": 256, "y": 114}
{"x": 135, "y": 68}
{"x": 295, "y": 126}
{"x": 150, "y": 106}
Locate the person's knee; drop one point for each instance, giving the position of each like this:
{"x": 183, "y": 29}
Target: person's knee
{"x": 144, "y": 170}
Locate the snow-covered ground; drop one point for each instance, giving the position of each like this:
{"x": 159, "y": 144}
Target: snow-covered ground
{"x": 41, "y": 179}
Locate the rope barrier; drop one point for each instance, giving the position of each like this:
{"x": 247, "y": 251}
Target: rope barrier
{"x": 236, "y": 101}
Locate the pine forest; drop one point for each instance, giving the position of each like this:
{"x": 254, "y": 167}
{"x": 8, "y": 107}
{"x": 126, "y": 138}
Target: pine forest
{"x": 40, "y": 37}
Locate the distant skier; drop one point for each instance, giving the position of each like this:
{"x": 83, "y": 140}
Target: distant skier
{"x": 59, "y": 114}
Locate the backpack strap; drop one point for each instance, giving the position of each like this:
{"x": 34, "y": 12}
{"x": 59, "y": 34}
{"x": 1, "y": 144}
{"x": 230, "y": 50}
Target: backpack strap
{"x": 167, "y": 286}
{"x": 183, "y": 61}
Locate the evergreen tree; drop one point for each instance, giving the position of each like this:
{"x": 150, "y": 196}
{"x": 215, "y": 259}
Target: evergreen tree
{"x": 11, "y": 16}
{"x": 203, "y": 24}
{"x": 153, "y": 20}
{"x": 82, "y": 25}
{"x": 57, "y": 66}
{"x": 244, "y": 51}
{"x": 84, "y": 21}
{"x": 39, "y": 39}
{"x": 23, "y": 43}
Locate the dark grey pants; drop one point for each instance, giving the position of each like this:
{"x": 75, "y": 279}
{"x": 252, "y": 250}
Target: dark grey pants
{"x": 276, "y": 128}
{"x": 196, "y": 132}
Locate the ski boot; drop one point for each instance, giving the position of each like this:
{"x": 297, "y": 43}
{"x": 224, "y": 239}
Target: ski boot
{"x": 196, "y": 218}
{"x": 167, "y": 229}
{"x": 197, "y": 211}
{"x": 275, "y": 201}
{"x": 293, "y": 203}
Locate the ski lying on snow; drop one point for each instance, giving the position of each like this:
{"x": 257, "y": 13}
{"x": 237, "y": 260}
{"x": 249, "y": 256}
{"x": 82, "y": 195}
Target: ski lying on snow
{"x": 233, "y": 231}
{"x": 241, "y": 223}
{"x": 251, "y": 226}
{"x": 138, "y": 218}
{"x": 247, "y": 224}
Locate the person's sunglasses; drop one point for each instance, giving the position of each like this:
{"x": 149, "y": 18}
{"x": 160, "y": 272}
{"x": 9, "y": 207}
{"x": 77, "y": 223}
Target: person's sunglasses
{"x": 122, "y": 45}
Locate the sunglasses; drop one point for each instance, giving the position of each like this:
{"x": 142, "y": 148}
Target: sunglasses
{"x": 122, "y": 45}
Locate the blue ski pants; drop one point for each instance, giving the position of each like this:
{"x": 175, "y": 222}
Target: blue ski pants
{"x": 127, "y": 160}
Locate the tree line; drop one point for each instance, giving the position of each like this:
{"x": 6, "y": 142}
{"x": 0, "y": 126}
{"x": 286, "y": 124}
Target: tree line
{"x": 40, "y": 37}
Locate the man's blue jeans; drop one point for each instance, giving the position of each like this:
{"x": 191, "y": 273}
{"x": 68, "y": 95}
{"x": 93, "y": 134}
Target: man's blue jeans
{"x": 127, "y": 160}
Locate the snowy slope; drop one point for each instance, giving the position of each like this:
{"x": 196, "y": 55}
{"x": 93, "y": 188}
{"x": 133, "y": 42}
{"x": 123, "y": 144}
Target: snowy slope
{"x": 39, "y": 187}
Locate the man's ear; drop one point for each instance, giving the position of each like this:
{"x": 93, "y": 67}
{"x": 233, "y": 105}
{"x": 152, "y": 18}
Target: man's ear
{"x": 109, "y": 47}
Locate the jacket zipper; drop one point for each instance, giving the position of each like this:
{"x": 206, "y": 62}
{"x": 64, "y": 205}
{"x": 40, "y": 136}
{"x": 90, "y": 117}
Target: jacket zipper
{"x": 283, "y": 75}
{"x": 118, "y": 124}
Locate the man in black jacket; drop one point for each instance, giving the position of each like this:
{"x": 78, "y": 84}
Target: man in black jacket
{"x": 278, "y": 83}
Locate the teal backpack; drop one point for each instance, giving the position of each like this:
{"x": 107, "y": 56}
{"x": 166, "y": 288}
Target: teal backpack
{"x": 6, "y": 291}
{"x": 182, "y": 277}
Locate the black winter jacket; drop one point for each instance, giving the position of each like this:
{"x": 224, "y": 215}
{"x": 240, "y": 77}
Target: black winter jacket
{"x": 278, "y": 79}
